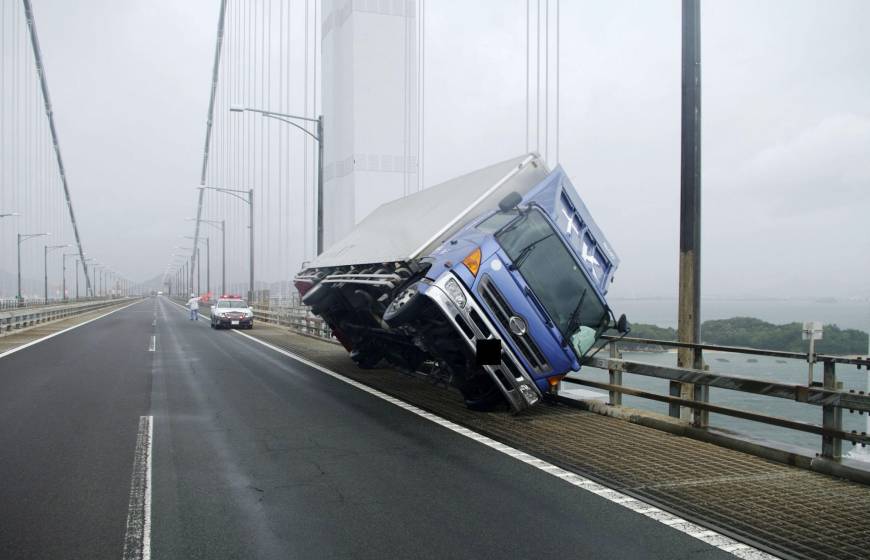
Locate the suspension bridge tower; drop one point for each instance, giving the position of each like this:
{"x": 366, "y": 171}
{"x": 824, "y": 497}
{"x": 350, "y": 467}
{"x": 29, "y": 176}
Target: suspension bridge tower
{"x": 371, "y": 106}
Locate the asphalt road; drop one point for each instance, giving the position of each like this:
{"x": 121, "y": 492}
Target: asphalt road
{"x": 258, "y": 456}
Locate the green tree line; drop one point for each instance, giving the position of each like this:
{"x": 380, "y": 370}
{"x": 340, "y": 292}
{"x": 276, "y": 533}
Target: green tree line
{"x": 755, "y": 333}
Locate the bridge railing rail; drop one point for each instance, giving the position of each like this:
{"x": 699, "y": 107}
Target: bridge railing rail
{"x": 294, "y": 316}
{"x": 14, "y": 303}
{"x": 829, "y": 394}
{"x": 13, "y": 320}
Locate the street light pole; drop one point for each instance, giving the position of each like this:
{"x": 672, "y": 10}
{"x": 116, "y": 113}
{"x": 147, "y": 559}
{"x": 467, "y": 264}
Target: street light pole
{"x": 46, "y": 249}
{"x": 318, "y": 137}
{"x": 222, "y": 225}
{"x": 22, "y": 237}
{"x": 65, "y": 255}
{"x": 250, "y": 201}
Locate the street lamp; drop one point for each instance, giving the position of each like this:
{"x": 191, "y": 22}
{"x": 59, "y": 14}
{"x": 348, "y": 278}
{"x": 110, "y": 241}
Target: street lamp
{"x": 8, "y": 214}
{"x": 222, "y": 225}
{"x": 46, "y": 250}
{"x": 22, "y": 237}
{"x": 318, "y": 137}
{"x": 82, "y": 262}
{"x": 65, "y": 255}
{"x": 207, "y": 262}
{"x": 250, "y": 201}
{"x": 193, "y": 250}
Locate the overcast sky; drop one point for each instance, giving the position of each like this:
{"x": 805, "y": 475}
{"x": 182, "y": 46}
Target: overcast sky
{"x": 786, "y": 127}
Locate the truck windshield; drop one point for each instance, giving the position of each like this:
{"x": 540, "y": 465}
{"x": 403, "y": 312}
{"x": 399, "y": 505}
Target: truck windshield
{"x": 553, "y": 274}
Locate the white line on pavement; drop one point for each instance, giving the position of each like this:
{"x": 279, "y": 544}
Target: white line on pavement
{"x": 153, "y": 346}
{"x": 137, "y": 539}
{"x": 52, "y": 335}
{"x": 717, "y": 540}
{"x": 713, "y": 538}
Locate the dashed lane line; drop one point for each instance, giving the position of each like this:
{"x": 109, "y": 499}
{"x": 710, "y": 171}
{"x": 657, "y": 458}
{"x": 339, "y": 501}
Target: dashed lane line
{"x": 137, "y": 538}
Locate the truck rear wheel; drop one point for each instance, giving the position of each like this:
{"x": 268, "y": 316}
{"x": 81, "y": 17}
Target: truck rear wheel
{"x": 481, "y": 393}
{"x": 366, "y": 359}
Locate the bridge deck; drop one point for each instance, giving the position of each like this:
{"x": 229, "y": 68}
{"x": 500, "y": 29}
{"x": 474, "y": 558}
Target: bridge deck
{"x": 787, "y": 510}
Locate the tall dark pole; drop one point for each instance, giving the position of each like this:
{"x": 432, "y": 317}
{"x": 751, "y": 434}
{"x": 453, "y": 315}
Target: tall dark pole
{"x": 223, "y": 256}
{"x": 689, "y": 314}
{"x": 251, "y": 222}
{"x": 77, "y": 279}
{"x": 198, "y": 273}
{"x": 45, "y": 272}
{"x": 207, "y": 266}
{"x": 19, "y": 270}
{"x": 63, "y": 272}
{"x": 320, "y": 185}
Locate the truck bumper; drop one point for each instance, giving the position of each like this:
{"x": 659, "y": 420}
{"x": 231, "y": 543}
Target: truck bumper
{"x": 509, "y": 376}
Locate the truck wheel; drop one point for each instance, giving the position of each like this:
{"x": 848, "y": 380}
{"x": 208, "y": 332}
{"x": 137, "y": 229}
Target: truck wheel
{"x": 481, "y": 394}
{"x": 403, "y": 308}
{"x": 366, "y": 359}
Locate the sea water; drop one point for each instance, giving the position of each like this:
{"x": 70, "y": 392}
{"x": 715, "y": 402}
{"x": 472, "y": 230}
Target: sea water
{"x": 851, "y": 314}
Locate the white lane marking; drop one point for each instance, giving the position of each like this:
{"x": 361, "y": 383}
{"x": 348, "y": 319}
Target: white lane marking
{"x": 52, "y": 335}
{"x": 137, "y": 539}
{"x": 722, "y": 542}
{"x": 153, "y": 346}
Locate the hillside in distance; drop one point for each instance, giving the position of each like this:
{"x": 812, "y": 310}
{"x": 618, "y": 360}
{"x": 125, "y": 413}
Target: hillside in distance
{"x": 755, "y": 333}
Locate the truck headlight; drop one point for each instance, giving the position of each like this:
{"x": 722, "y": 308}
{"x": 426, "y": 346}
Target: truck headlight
{"x": 455, "y": 293}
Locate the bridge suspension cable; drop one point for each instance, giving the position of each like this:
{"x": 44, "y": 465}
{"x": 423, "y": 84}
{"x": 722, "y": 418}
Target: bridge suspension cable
{"x": 36, "y": 209}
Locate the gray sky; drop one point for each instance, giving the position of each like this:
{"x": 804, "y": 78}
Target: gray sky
{"x": 786, "y": 116}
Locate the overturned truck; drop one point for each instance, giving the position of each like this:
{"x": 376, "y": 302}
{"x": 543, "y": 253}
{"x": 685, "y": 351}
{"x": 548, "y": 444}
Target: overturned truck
{"x": 493, "y": 282}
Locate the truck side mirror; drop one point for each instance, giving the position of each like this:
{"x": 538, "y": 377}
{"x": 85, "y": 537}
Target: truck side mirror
{"x": 510, "y": 201}
{"x": 622, "y": 325}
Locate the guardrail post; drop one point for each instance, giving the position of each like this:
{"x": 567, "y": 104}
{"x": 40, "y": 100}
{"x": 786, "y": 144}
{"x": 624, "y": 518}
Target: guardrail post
{"x": 832, "y": 417}
{"x": 615, "y": 376}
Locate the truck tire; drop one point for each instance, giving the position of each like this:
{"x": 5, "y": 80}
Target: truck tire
{"x": 366, "y": 359}
{"x": 481, "y": 393}
{"x": 403, "y": 308}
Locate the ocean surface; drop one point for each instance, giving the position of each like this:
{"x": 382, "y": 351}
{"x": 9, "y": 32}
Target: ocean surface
{"x": 792, "y": 371}
{"x": 662, "y": 312}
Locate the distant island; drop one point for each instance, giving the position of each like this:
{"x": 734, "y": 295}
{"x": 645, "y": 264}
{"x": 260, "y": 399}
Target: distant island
{"x": 755, "y": 333}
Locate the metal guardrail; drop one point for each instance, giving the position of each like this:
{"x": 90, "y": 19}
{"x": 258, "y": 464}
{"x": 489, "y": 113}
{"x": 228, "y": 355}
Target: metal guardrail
{"x": 829, "y": 394}
{"x": 297, "y": 318}
{"x": 14, "y": 320}
{"x": 13, "y": 303}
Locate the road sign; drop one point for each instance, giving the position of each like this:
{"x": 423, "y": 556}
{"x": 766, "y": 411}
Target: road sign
{"x": 812, "y": 330}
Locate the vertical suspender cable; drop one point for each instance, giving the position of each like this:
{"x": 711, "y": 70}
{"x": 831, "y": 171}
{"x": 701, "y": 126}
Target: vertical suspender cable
{"x": 210, "y": 118}
{"x": 558, "y": 75}
{"x": 547, "y": 80}
{"x": 37, "y": 54}
{"x": 528, "y": 77}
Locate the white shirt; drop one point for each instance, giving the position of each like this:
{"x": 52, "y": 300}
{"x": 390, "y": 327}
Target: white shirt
{"x": 193, "y": 304}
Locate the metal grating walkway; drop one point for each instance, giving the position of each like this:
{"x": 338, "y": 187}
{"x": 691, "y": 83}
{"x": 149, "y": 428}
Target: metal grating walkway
{"x": 785, "y": 510}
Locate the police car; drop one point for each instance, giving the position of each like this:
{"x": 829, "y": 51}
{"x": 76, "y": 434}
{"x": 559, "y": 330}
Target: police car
{"x": 231, "y": 311}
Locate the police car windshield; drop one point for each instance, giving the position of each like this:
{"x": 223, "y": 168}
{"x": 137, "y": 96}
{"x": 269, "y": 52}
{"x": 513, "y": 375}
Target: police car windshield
{"x": 231, "y": 303}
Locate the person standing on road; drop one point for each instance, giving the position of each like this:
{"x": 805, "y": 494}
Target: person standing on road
{"x": 193, "y": 305}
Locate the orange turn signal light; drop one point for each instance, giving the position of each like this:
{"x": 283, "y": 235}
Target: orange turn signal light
{"x": 472, "y": 261}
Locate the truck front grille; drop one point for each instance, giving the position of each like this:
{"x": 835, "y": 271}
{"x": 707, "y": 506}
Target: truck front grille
{"x": 503, "y": 312}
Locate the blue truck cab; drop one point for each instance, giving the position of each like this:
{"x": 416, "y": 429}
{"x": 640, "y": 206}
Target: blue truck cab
{"x": 494, "y": 283}
{"x": 532, "y": 276}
